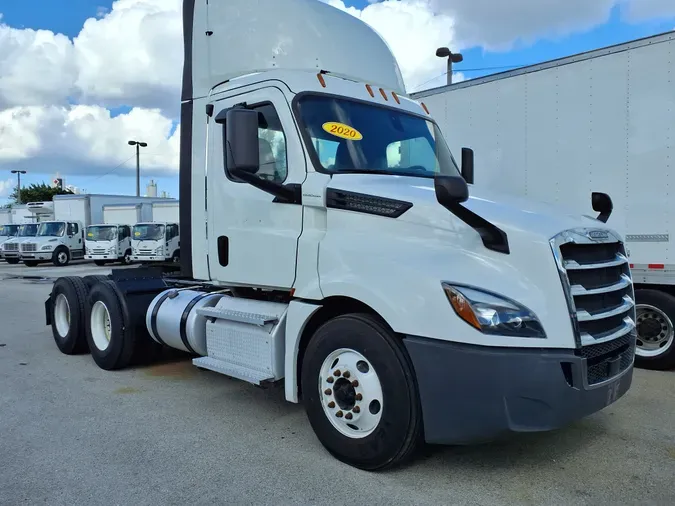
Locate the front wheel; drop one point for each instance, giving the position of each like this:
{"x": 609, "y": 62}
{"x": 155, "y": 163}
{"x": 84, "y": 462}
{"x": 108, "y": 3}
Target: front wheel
{"x": 12, "y": 261}
{"x": 61, "y": 257}
{"x": 100, "y": 263}
{"x": 655, "y": 311}
{"x": 360, "y": 393}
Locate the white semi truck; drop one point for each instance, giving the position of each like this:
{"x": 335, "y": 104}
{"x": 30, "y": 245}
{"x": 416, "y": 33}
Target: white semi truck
{"x": 381, "y": 294}
{"x": 561, "y": 129}
{"x": 62, "y": 239}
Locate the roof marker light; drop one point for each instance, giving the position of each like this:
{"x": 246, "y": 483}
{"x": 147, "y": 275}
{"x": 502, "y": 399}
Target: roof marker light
{"x": 384, "y": 95}
{"x": 393, "y": 93}
{"x": 425, "y": 108}
{"x": 370, "y": 90}
{"x": 321, "y": 80}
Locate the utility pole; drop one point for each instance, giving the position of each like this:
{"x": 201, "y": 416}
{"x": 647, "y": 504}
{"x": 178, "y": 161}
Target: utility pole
{"x": 138, "y": 145}
{"x": 18, "y": 190}
{"x": 444, "y": 52}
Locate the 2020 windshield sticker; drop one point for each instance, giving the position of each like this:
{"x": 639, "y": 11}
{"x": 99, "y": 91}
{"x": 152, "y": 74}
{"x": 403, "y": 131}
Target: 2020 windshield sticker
{"x": 342, "y": 130}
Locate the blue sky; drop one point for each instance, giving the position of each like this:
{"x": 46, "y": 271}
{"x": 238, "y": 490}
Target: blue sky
{"x": 51, "y": 15}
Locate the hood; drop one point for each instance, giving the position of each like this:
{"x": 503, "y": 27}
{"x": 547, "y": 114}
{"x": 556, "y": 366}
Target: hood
{"x": 512, "y": 214}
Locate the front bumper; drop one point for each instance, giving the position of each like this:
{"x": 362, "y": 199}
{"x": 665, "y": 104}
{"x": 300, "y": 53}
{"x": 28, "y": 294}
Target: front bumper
{"x": 145, "y": 258}
{"x": 100, "y": 257}
{"x": 40, "y": 255}
{"x": 473, "y": 394}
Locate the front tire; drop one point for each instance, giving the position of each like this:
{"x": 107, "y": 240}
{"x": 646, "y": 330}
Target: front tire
{"x": 360, "y": 393}
{"x": 656, "y": 330}
{"x": 12, "y": 261}
{"x": 61, "y": 257}
{"x": 100, "y": 263}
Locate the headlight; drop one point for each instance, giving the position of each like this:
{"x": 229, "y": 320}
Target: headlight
{"x": 493, "y": 314}
{"x": 47, "y": 247}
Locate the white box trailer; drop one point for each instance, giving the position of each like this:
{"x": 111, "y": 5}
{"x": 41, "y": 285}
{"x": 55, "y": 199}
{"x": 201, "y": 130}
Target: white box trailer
{"x": 597, "y": 121}
{"x": 165, "y": 212}
{"x": 127, "y": 214}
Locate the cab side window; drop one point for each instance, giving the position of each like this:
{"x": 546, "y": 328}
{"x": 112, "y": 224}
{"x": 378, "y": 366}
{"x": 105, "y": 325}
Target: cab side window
{"x": 171, "y": 232}
{"x": 271, "y": 145}
{"x": 73, "y": 229}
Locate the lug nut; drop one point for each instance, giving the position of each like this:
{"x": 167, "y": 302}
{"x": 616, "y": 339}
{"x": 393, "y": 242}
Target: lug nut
{"x": 356, "y": 409}
{"x": 359, "y": 397}
{"x": 348, "y": 416}
{"x": 328, "y": 391}
{"x": 330, "y": 379}
{"x": 346, "y": 374}
{"x": 339, "y": 414}
{"x": 337, "y": 372}
{"x": 355, "y": 383}
{"x": 331, "y": 404}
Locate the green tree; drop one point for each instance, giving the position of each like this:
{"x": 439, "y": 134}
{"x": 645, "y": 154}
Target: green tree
{"x": 37, "y": 193}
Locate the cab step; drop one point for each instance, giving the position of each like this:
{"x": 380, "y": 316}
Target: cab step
{"x": 245, "y": 339}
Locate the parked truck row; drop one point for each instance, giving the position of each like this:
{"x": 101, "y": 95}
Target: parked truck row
{"x": 331, "y": 244}
{"x": 100, "y": 228}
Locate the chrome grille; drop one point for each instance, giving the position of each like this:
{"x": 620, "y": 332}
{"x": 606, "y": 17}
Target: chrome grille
{"x": 100, "y": 252}
{"x": 597, "y": 281}
{"x": 29, "y": 247}
{"x": 11, "y": 246}
{"x": 145, "y": 252}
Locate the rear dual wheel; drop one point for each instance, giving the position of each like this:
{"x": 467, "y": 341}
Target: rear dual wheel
{"x": 655, "y": 311}
{"x": 360, "y": 393}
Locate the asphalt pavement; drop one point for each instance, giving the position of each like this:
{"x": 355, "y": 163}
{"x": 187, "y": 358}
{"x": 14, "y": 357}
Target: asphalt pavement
{"x": 73, "y": 434}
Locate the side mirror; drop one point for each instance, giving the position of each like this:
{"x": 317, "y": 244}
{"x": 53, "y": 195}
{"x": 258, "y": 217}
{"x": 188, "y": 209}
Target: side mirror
{"x": 602, "y": 203}
{"x": 467, "y": 165}
{"x": 451, "y": 190}
{"x": 241, "y": 132}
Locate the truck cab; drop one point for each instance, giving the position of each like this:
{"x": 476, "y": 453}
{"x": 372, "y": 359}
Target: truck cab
{"x": 155, "y": 242}
{"x": 58, "y": 242}
{"x": 7, "y": 232}
{"x": 106, "y": 243}
{"x": 10, "y": 248}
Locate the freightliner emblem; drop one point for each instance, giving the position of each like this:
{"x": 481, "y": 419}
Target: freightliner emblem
{"x": 598, "y": 234}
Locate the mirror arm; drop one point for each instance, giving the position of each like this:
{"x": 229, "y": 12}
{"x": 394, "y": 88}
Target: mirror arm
{"x": 284, "y": 194}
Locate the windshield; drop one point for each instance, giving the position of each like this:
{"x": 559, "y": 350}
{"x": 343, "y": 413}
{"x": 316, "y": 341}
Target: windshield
{"x": 148, "y": 232}
{"x": 51, "y": 229}
{"x": 350, "y": 136}
{"x": 102, "y": 233}
{"x": 28, "y": 230}
{"x": 8, "y": 230}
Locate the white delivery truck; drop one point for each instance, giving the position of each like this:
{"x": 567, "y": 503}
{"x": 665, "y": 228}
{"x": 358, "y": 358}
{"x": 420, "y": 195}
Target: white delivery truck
{"x": 62, "y": 239}
{"x": 111, "y": 240}
{"x": 597, "y": 120}
{"x": 158, "y": 239}
{"x": 9, "y": 250}
{"x": 8, "y": 231}
{"x": 381, "y": 293}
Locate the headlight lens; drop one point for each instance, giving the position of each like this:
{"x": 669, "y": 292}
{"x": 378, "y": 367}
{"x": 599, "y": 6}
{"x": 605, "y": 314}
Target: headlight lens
{"x": 493, "y": 314}
{"x": 48, "y": 247}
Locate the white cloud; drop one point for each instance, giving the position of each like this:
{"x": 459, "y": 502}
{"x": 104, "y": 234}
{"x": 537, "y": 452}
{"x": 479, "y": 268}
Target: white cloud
{"x": 132, "y": 55}
{"x": 6, "y": 187}
{"x": 85, "y": 139}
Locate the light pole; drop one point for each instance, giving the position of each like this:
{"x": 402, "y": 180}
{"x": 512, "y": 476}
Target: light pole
{"x": 18, "y": 191}
{"x": 444, "y": 52}
{"x": 138, "y": 145}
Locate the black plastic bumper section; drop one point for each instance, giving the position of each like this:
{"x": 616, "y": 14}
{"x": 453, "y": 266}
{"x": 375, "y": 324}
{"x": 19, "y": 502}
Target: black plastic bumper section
{"x": 472, "y": 394}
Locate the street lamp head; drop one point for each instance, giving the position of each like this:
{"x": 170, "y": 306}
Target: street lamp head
{"x": 132, "y": 143}
{"x": 143, "y": 144}
{"x": 457, "y": 57}
{"x": 443, "y": 52}
{"x": 18, "y": 172}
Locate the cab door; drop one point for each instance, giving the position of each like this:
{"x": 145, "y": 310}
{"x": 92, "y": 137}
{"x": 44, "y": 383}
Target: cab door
{"x": 252, "y": 239}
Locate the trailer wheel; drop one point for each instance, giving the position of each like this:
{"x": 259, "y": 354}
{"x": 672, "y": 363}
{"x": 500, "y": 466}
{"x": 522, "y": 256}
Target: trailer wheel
{"x": 61, "y": 257}
{"x": 360, "y": 393}
{"x": 68, "y": 301}
{"x": 111, "y": 339}
{"x": 655, "y": 312}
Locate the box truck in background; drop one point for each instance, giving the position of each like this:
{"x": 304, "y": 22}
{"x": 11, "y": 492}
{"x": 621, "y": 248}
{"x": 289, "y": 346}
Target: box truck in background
{"x": 110, "y": 241}
{"x": 602, "y": 120}
{"x": 9, "y": 250}
{"x": 158, "y": 239}
{"x": 61, "y": 239}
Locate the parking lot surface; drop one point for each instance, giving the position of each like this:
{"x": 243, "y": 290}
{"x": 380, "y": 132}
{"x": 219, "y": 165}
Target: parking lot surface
{"x": 168, "y": 433}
